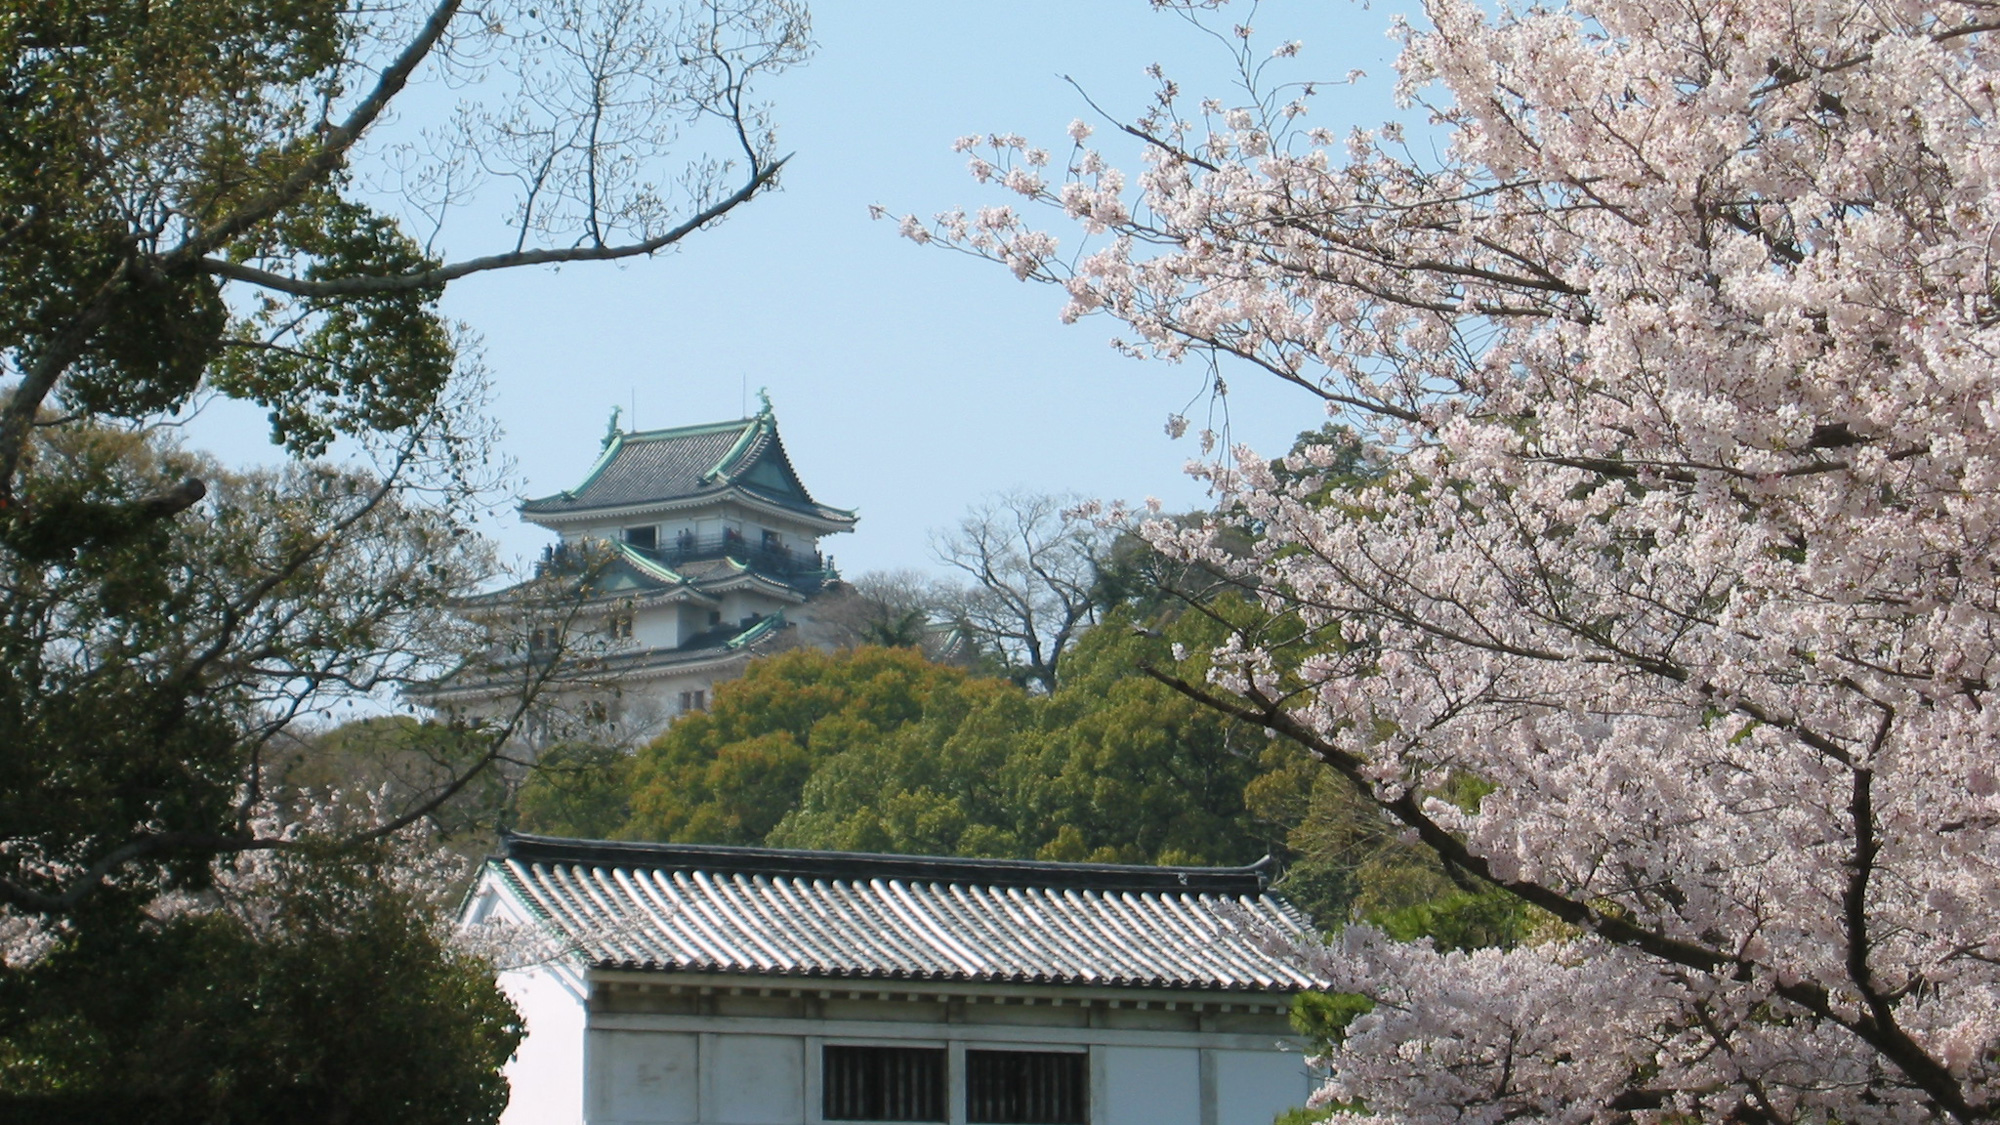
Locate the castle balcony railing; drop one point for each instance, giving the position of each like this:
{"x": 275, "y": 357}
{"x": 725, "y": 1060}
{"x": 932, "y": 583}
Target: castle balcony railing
{"x": 805, "y": 571}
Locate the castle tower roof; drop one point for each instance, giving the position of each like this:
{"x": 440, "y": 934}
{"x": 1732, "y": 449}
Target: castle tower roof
{"x": 662, "y": 471}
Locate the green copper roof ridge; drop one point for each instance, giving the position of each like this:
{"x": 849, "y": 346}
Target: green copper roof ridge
{"x": 604, "y": 460}
{"x": 656, "y": 568}
{"x": 758, "y": 425}
{"x": 758, "y": 631}
{"x": 687, "y": 431}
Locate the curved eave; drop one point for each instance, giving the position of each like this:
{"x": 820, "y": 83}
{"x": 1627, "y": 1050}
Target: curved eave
{"x": 749, "y": 579}
{"x": 746, "y": 446}
{"x": 610, "y": 672}
{"x": 823, "y": 520}
{"x": 498, "y": 606}
{"x": 640, "y": 670}
{"x": 756, "y": 633}
{"x": 650, "y": 567}
{"x": 688, "y": 595}
{"x": 604, "y": 460}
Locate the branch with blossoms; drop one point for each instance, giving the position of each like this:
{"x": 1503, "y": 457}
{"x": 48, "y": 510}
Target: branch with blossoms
{"x": 1874, "y": 1020}
{"x": 1680, "y": 344}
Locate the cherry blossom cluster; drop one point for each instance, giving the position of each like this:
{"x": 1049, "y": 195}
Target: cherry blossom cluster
{"x": 1684, "y": 340}
{"x": 251, "y": 885}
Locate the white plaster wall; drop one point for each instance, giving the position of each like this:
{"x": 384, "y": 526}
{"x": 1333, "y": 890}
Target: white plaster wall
{"x": 739, "y": 604}
{"x": 754, "y": 1079}
{"x": 1252, "y": 1087}
{"x": 700, "y": 1077}
{"x": 657, "y": 627}
{"x": 1145, "y": 1086}
{"x": 596, "y": 530}
{"x": 678, "y": 1078}
{"x": 546, "y": 1074}
{"x": 669, "y": 689}
{"x": 694, "y": 618}
{"x": 644, "y": 1078}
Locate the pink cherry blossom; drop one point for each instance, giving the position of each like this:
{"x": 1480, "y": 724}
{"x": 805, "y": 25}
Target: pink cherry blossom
{"x": 1686, "y": 347}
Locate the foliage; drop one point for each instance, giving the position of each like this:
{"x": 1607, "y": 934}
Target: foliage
{"x": 1132, "y": 771}
{"x": 893, "y": 609}
{"x": 727, "y": 775}
{"x": 218, "y": 1008}
{"x": 577, "y": 789}
{"x": 239, "y": 199}
{"x": 876, "y": 749}
{"x": 146, "y": 682}
{"x": 404, "y": 760}
{"x": 1323, "y": 1017}
{"x": 1683, "y": 346}
{"x": 182, "y": 209}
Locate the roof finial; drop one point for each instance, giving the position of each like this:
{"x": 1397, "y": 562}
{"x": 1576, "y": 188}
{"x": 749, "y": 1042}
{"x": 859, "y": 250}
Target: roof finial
{"x": 611, "y": 428}
{"x": 764, "y": 396}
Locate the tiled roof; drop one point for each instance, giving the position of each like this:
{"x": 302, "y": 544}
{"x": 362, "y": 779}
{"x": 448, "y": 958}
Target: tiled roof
{"x": 690, "y": 462}
{"x": 695, "y": 908}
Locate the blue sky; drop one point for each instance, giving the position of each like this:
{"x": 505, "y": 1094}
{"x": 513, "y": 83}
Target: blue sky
{"x": 909, "y": 381}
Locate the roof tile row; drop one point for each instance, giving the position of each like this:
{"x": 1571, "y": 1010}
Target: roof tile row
{"x": 686, "y": 909}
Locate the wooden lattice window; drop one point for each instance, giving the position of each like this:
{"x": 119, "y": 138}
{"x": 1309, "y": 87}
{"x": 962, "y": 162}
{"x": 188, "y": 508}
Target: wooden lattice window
{"x": 882, "y": 1084}
{"x": 1027, "y": 1087}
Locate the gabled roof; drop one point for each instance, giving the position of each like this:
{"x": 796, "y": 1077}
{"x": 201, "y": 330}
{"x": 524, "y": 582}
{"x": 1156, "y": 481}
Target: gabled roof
{"x": 691, "y": 464}
{"x": 768, "y": 911}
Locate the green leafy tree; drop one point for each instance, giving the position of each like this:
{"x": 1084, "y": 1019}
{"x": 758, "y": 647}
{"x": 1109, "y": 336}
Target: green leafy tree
{"x": 183, "y": 211}
{"x": 192, "y": 205}
{"x": 728, "y": 775}
{"x": 1129, "y": 771}
{"x": 947, "y": 783}
{"x": 877, "y": 749}
{"x": 317, "y": 987}
{"x": 578, "y": 789}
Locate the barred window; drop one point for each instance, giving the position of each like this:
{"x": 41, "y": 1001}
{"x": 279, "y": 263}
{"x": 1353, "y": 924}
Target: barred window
{"x": 882, "y": 1083}
{"x": 1027, "y": 1087}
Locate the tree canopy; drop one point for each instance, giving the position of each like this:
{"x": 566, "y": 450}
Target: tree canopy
{"x": 1681, "y": 341}
{"x": 312, "y": 985}
{"x": 878, "y": 749}
{"x": 248, "y": 200}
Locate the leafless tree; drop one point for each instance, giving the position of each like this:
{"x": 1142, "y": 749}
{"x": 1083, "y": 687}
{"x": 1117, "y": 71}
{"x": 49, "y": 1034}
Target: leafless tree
{"x": 1033, "y": 571}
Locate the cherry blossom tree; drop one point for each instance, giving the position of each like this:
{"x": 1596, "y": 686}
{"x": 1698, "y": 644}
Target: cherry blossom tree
{"x": 1684, "y": 338}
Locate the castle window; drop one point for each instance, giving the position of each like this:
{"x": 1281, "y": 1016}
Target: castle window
{"x": 692, "y": 701}
{"x": 619, "y": 626}
{"x": 1027, "y": 1087}
{"x": 646, "y": 537}
{"x": 882, "y": 1083}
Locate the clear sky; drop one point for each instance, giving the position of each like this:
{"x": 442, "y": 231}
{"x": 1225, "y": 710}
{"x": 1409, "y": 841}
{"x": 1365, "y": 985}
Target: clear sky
{"x": 908, "y": 381}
